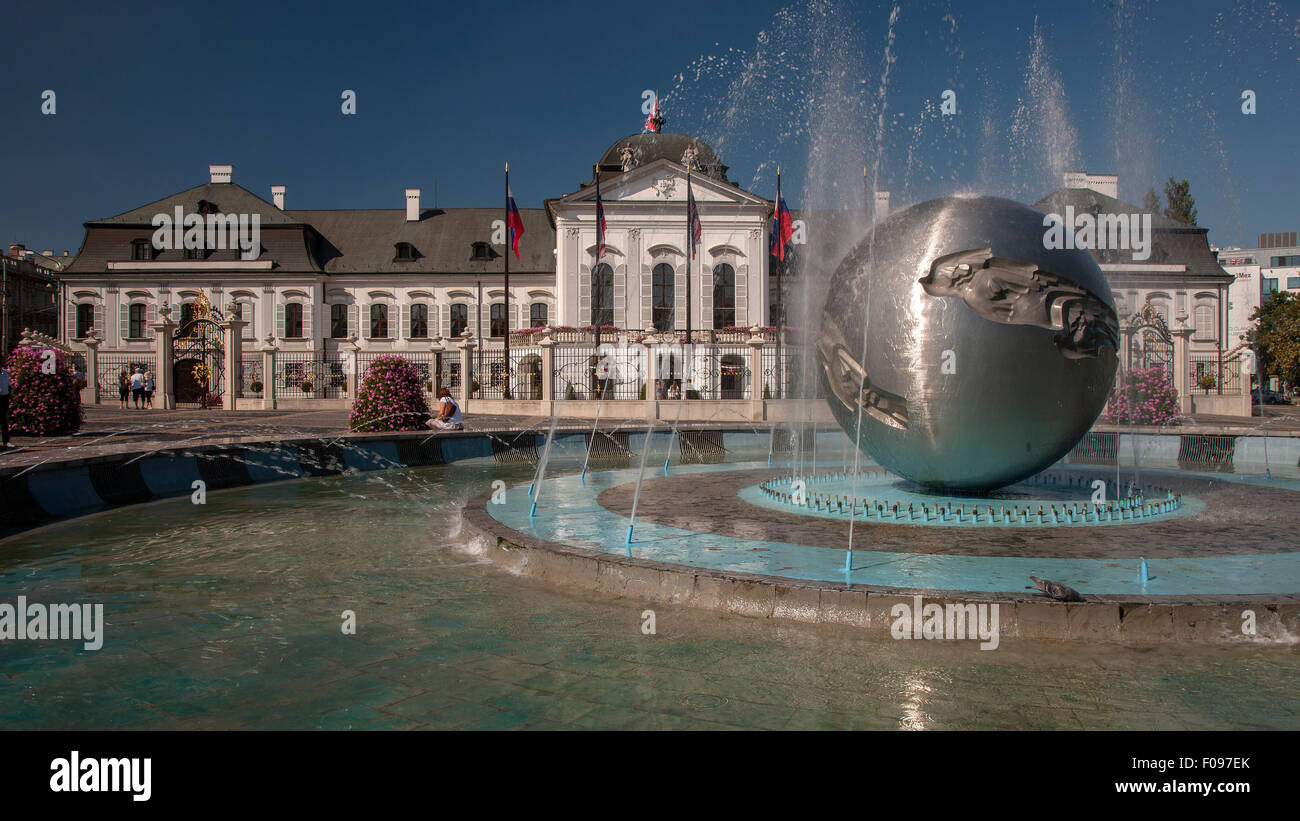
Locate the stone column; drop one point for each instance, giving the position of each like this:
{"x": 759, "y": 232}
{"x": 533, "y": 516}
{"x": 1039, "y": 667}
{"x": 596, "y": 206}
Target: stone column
{"x": 163, "y": 330}
{"x": 547, "y": 344}
{"x": 436, "y": 349}
{"x": 351, "y": 367}
{"x": 756, "y": 343}
{"x": 234, "y": 329}
{"x": 91, "y": 393}
{"x": 1182, "y": 365}
{"x": 650, "y": 352}
{"x": 268, "y": 350}
{"x": 467, "y": 346}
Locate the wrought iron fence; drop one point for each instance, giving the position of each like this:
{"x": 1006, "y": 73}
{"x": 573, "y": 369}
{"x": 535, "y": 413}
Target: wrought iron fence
{"x": 250, "y": 378}
{"x": 608, "y": 372}
{"x": 489, "y": 373}
{"x": 720, "y": 372}
{"x": 310, "y": 375}
{"x": 1205, "y": 375}
{"x": 110, "y": 366}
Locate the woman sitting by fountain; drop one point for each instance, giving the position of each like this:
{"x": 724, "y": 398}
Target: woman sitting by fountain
{"x": 448, "y": 417}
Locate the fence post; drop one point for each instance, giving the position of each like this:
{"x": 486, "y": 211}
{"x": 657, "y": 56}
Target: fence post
{"x": 755, "y": 343}
{"x": 352, "y": 368}
{"x": 1182, "y": 365}
{"x": 163, "y": 330}
{"x": 467, "y": 346}
{"x": 234, "y": 359}
{"x": 92, "y": 343}
{"x": 436, "y": 350}
{"x": 547, "y": 344}
{"x": 651, "y": 378}
{"x": 268, "y": 372}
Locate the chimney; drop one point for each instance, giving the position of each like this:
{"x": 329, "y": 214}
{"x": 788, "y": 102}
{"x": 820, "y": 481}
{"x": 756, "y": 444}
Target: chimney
{"x": 882, "y": 204}
{"x": 277, "y": 196}
{"x": 16, "y": 249}
{"x": 221, "y": 173}
{"x": 412, "y": 205}
{"x": 47, "y": 253}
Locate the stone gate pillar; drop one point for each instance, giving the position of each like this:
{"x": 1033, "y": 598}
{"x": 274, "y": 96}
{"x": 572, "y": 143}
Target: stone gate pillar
{"x": 352, "y": 365}
{"x": 163, "y": 331}
{"x": 467, "y": 346}
{"x": 92, "y": 343}
{"x": 547, "y": 344}
{"x": 234, "y": 333}
{"x": 755, "y": 343}
{"x": 1182, "y": 366}
{"x": 268, "y": 350}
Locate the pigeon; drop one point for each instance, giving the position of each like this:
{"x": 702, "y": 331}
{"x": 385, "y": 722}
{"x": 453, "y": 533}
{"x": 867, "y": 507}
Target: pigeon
{"x": 1054, "y": 590}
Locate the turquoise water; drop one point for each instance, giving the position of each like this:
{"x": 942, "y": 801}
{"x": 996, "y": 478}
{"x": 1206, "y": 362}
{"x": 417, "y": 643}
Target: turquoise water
{"x": 228, "y": 615}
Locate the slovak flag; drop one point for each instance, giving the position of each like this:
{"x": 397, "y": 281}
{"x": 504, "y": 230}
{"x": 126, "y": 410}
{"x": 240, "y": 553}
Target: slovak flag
{"x": 693, "y": 216}
{"x": 782, "y": 229}
{"x": 600, "y": 222}
{"x": 516, "y": 222}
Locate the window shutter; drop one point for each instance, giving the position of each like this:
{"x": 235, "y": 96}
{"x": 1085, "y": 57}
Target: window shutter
{"x": 679, "y": 300}
{"x": 647, "y": 298}
{"x": 70, "y": 322}
{"x": 279, "y": 321}
{"x": 125, "y": 325}
{"x": 742, "y": 296}
{"x": 405, "y": 311}
{"x": 354, "y": 329}
{"x": 308, "y": 311}
{"x": 516, "y": 316}
{"x": 445, "y": 325}
{"x": 99, "y": 319}
{"x": 150, "y": 317}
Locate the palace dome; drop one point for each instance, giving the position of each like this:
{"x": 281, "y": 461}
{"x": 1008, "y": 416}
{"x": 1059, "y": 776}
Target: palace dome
{"x": 650, "y": 146}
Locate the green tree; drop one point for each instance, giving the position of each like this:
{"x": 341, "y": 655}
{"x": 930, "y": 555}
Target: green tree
{"x": 1181, "y": 208}
{"x": 1277, "y": 333}
{"x": 1151, "y": 202}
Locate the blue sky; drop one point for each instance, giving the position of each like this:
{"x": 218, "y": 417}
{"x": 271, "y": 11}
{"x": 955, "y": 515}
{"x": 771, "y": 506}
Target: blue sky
{"x": 149, "y": 94}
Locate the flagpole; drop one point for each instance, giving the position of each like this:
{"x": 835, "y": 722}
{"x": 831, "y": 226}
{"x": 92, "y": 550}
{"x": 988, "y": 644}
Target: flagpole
{"x": 598, "y": 295}
{"x": 505, "y": 367}
{"x": 690, "y": 253}
{"x": 780, "y": 295}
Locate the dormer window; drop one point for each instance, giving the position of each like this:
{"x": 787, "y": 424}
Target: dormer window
{"x": 405, "y": 252}
{"x": 481, "y": 251}
{"x": 141, "y": 249}
{"x": 206, "y": 207}
{"x": 196, "y": 253}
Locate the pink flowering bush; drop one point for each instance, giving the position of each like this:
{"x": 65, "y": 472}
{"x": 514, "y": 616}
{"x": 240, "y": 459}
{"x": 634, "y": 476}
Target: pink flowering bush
{"x": 40, "y": 403}
{"x": 391, "y": 397}
{"x": 1147, "y": 398}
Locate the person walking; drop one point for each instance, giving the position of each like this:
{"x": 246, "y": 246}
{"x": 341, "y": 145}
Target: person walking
{"x": 4, "y": 406}
{"x": 123, "y": 388}
{"x": 137, "y": 388}
{"x": 148, "y": 389}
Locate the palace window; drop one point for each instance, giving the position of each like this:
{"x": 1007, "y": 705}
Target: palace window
{"x": 537, "y": 315}
{"x": 419, "y": 321}
{"x": 481, "y": 251}
{"x": 662, "y": 296}
{"x": 497, "y": 319}
{"x": 196, "y": 253}
{"x": 378, "y": 321}
{"x": 459, "y": 319}
{"x": 602, "y": 295}
{"x": 187, "y": 318}
{"x": 724, "y": 296}
{"x": 85, "y": 320}
{"x": 405, "y": 252}
{"x": 1203, "y": 322}
{"x": 141, "y": 249}
{"x": 293, "y": 321}
{"x": 338, "y": 321}
{"x": 136, "y": 323}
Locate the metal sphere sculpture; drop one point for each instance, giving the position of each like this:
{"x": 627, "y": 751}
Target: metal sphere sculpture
{"x": 971, "y": 354}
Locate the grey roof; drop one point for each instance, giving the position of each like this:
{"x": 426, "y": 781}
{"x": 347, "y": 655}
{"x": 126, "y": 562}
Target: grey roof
{"x": 230, "y": 198}
{"x": 364, "y": 241}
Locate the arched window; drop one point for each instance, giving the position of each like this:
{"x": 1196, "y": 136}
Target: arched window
{"x": 459, "y": 319}
{"x": 724, "y": 296}
{"x": 497, "y": 319}
{"x": 85, "y": 319}
{"x": 378, "y": 320}
{"x": 662, "y": 296}
{"x": 602, "y": 295}
{"x": 537, "y": 315}
{"x": 419, "y": 321}
{"x": 293, "y": 321}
